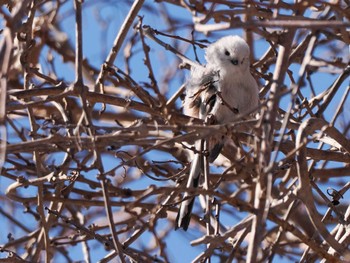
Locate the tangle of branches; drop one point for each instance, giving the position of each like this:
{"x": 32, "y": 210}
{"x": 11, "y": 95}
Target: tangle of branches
{"x": 94, "y": 162}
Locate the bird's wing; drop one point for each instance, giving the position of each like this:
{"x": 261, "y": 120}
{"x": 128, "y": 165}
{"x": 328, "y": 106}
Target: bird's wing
{"x": 202, "y": 102}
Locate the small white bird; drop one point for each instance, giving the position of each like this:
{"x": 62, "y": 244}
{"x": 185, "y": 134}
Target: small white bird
{"x": 218, "y": 93}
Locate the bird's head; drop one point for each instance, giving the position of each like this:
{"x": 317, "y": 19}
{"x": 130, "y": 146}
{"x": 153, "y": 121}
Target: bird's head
{"x": 230, "y": 53}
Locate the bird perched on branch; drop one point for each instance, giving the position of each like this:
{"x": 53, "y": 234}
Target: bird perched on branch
{"x": 217, "y": 93}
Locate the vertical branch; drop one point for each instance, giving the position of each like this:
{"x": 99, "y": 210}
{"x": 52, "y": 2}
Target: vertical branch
{"x": 85, "y": 115}
{"x": 248, "y": 34}
{"x": 264, "y": 183}
{"x": 78, "y": 45}
{"x": 5, "y": 59}
{"x": 43, "y": 239}
{"x": 79, "y": 87}
{"x": 45, "y": 225}
{"x": 207, "y": 217}
{"x": 117, "y": 246}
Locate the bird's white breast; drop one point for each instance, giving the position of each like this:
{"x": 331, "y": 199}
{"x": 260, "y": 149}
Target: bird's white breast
{"x": 240, "y": 92}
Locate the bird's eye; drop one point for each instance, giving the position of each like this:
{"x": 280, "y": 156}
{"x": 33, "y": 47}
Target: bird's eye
{"x": 234, "y": 61}
{"x": 227, "y": 53}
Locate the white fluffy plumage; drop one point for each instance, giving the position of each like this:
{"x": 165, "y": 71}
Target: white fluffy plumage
{"x": 219, "y": 92}
{"x": 229, "y": 58}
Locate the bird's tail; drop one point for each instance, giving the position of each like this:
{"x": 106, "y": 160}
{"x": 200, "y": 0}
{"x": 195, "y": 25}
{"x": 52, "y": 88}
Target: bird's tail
{"x": 184, "y": 215}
